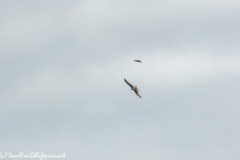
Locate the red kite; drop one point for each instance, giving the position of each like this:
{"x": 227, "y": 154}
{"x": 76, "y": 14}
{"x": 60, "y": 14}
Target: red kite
{"x": 135, "y": 89}
{"x": 137, "y": 61}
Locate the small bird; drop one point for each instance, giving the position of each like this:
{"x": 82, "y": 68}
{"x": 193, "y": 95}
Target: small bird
{"x": 137, "y": 61}
{"x": 135, "y": 89}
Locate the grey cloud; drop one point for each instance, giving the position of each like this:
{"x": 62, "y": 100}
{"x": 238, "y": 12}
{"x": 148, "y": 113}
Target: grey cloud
{"x": 63, "y": 65}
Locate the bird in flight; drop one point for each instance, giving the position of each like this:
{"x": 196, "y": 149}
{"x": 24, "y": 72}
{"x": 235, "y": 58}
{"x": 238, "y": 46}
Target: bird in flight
{"x": 137, "y": 61}
{"x": 135, "y": 89}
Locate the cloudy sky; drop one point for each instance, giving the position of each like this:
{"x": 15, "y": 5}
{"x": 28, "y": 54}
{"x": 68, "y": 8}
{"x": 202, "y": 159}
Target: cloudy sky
{"x": 63, "y": 64}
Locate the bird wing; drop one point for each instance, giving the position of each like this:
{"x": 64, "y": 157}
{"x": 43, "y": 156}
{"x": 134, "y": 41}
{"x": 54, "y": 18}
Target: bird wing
{"x": 137, "y": 93}
{"x": 128, "y": 83}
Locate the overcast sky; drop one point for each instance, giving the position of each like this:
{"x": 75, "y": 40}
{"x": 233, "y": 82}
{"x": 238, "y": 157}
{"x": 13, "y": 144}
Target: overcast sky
{"x": 62, "y": 69}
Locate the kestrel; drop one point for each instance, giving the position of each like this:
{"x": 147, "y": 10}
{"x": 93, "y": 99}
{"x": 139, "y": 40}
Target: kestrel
{"x": 135, "y": 89}
{"x": 137, "y": 61}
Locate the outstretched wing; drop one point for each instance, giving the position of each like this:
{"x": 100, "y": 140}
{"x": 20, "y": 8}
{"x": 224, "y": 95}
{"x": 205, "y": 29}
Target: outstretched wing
{"x": 128, "y": 83}
{"x": 137, "y": 61}
{"x": 137, "y": 93}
